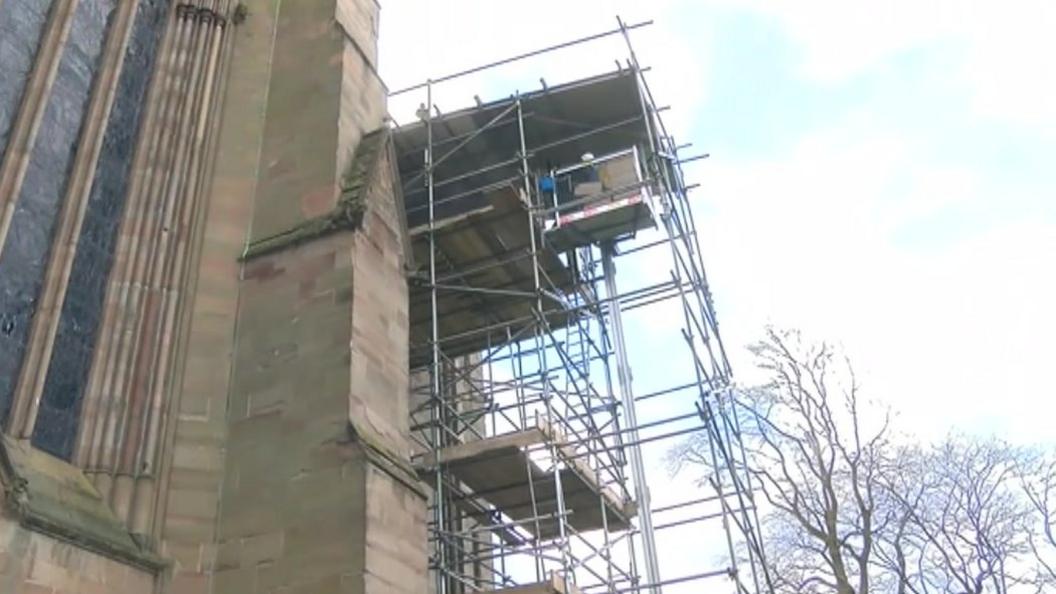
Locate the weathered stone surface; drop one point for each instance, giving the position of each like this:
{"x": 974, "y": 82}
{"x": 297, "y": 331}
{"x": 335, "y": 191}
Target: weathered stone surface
{"x": 196, "y": 467}
{"x": 396, "y": 552}
{"x": 380, "y": 324}
{"x": 298, "y": 167}
{"x": 347, "y": 214}
{"x": 50, "y": 496}
{"x": 318, "y": 495}
{"x": 57, "y": 536}
{"x": 314, "y": 460}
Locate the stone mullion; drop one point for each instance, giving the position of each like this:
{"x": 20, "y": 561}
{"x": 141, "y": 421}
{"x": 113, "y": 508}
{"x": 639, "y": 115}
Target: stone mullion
{"x": 34, "y": 101}
{"x": 174, "y": 201}
{"x": 117, "y": 315}
{"x": 172, "y": 282}
{"x": 71, "y": 216}
{"x": 135, "y": 372}
{"x": 180, "y": 201}
{"x": 114, "y": 383}
{"x": 141, "y": 289}
{"x": 147, "y": 454}
{"x": 99, "y": 401}
{"x": 160, "y": 453}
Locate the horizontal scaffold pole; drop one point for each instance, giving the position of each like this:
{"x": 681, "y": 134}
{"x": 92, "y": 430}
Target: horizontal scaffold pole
{"x": 518, "y": 57}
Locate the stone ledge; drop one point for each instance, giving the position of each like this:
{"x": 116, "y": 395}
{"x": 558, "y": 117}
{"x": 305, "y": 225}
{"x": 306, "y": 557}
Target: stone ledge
{"x": 347, "y": 214}
{"x": 50, "y": 496}
{"x": 386, "y": 460}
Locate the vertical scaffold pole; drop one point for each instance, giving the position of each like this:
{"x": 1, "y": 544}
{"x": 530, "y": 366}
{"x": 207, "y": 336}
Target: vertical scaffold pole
{"x": 559, "y": 494}
{"x": 437, "y": 396}
{"x": 623, "y": 374}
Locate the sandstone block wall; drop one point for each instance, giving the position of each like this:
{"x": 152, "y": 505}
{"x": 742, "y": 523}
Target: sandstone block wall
{"x": 32, "y": 563}
{"x": 317, "y": 494}
{"x": 265, "y": 487}
{"x": 194, "y": 467}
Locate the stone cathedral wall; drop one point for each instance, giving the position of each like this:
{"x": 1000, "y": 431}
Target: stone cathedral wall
{"x": 203, "y": 303}
{"x": 33, "y": 563}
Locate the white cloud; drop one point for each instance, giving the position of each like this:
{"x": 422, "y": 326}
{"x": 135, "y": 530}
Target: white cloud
{"x": 421, "y": 39}
{"x": 953, "y": 335}
{"x": 1010, "y": 65}
{"x": 1004, "y": 49}
{"x": 840, "y": 39}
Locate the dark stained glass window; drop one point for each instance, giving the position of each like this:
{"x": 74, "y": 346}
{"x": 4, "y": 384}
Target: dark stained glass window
{"x": 21, "y": 25}
{"x": 71, "y": 358}
{"x": 24, "y": 257}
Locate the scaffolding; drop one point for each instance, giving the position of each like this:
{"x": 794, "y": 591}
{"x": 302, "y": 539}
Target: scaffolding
{"x": 524, "y": 416}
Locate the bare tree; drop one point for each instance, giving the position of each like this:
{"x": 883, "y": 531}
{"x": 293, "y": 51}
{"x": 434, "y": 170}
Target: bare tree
{"x": 1038, "y": 478}
{"x": 963, "y": 522}
{"x": 850, "y": 508}
{"x": 905, "y": 487}
{"x": 816, "y": 461}
{"x": 957, "y": 520}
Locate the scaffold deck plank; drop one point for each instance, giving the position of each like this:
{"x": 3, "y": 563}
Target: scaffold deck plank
{"x": 501, "y": 470}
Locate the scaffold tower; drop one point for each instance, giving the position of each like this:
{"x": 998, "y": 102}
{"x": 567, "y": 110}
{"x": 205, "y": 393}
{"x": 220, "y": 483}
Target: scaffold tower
{"x": 528, "y": 219}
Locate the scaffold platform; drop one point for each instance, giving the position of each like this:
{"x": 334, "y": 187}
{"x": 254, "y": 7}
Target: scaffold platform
{"x": 497, "y": 469}
{"x": 603, "y": 199}
{"x": 601, "y": 221}
{"x": 485, "y": 266}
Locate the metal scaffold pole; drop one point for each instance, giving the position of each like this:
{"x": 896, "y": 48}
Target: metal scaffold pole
{"x": 436, "y": 375}
{"x": 623, "y": 373}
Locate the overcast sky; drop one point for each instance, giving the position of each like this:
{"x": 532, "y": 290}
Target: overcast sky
{"x": 881, "y": 173}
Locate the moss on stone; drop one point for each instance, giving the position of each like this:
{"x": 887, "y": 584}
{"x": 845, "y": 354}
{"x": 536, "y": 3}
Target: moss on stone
{"x": 53, "y": 497}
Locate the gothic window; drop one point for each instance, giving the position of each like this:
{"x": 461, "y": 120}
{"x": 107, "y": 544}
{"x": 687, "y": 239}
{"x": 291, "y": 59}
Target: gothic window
{"x": 71, "y": 355}
{"x": 27, "y": 246}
